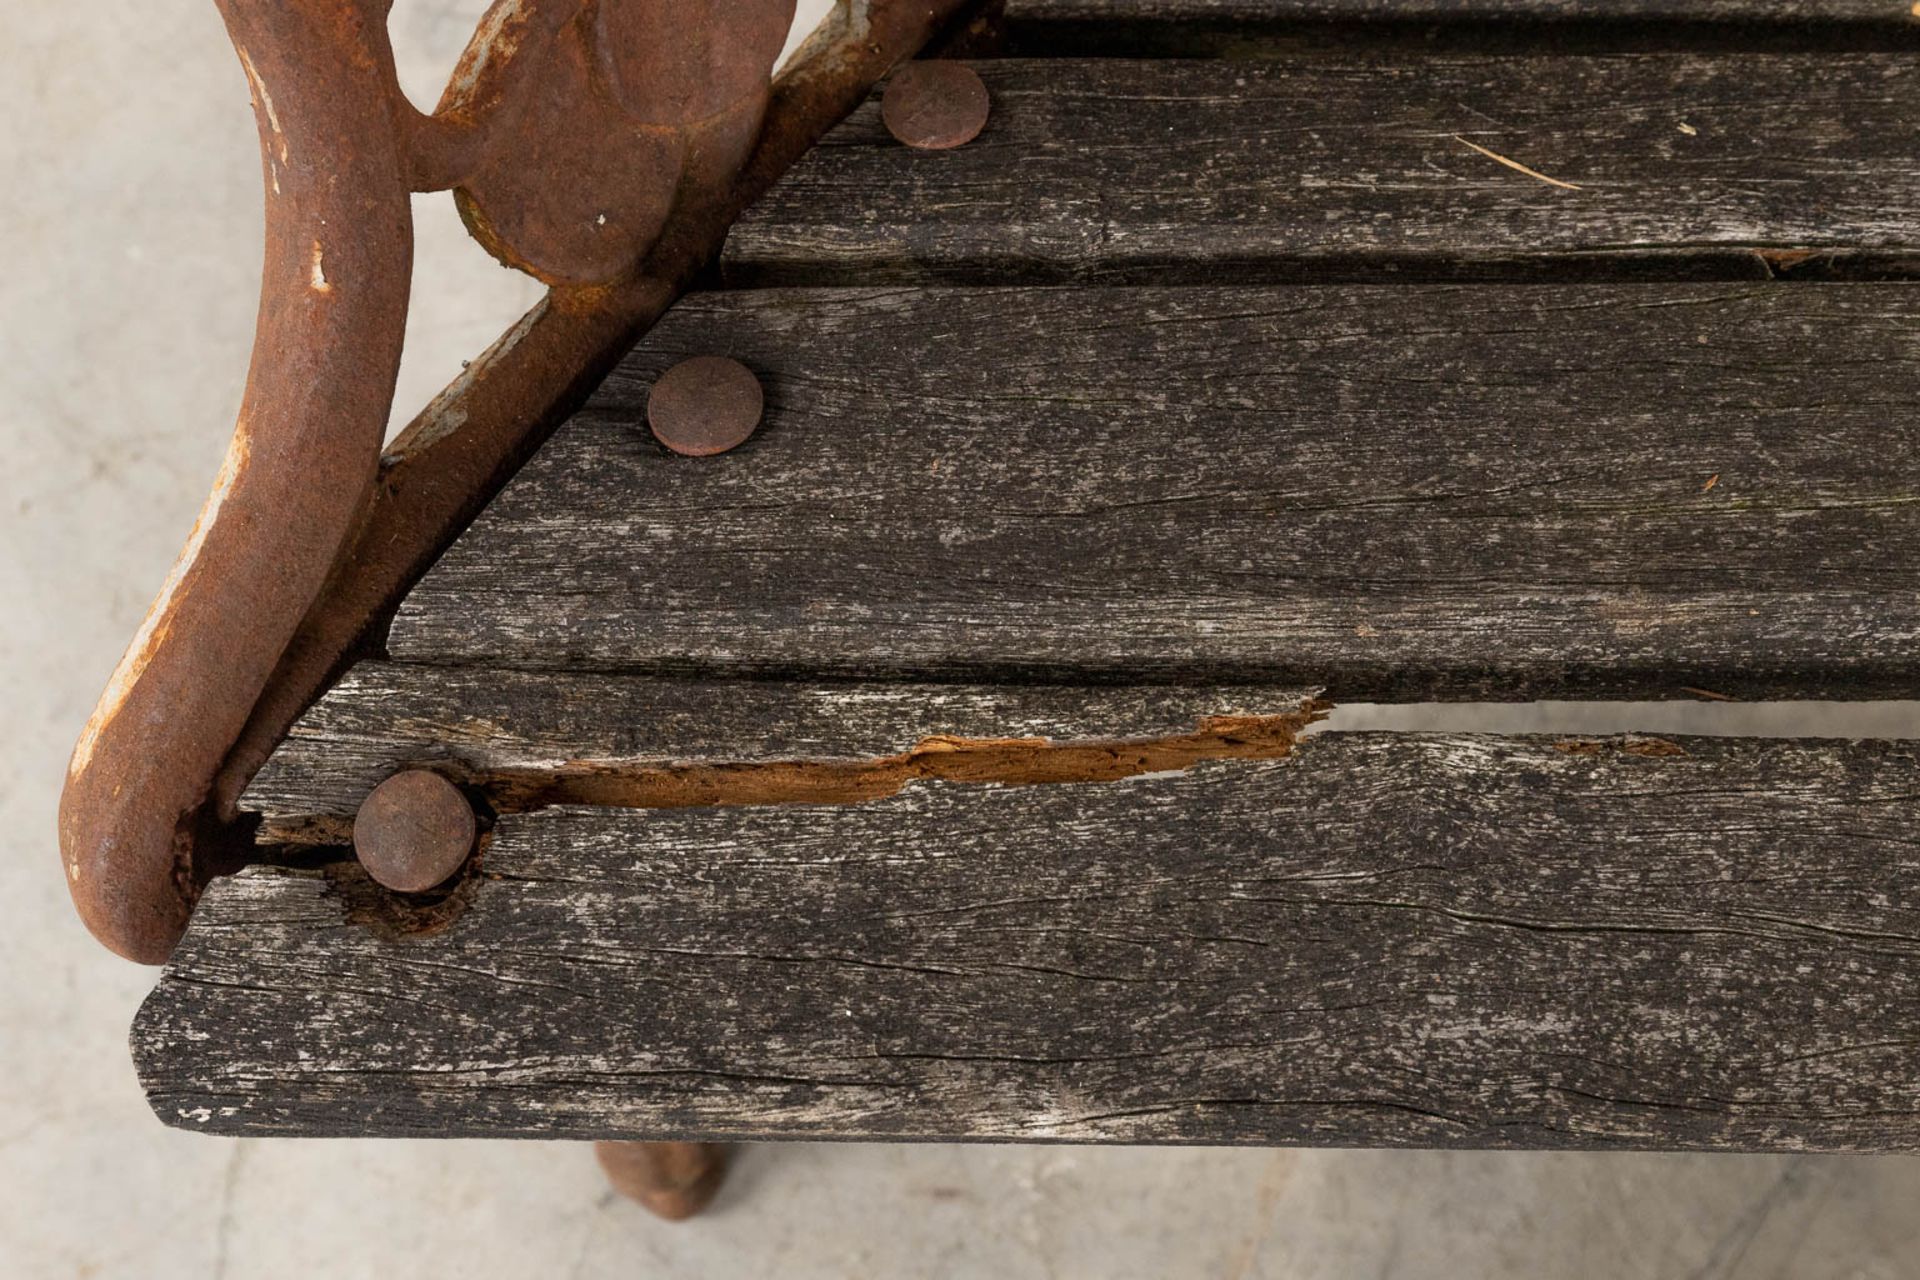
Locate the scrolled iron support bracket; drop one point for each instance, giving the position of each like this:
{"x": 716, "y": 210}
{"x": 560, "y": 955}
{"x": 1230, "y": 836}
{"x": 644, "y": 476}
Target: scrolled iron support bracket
{"x": 602, "y": 146}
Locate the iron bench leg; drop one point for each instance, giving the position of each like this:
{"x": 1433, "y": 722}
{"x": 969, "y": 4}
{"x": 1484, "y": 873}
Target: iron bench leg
{"x": 674, "y": 1180}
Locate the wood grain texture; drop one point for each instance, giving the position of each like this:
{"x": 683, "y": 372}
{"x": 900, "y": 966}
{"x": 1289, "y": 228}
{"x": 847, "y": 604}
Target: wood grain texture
{"x": 1385, "y": 492}
{"x": 1346, "y": 168}
{"x": 1393, "y": 940}
{"x": 499, "y": 731}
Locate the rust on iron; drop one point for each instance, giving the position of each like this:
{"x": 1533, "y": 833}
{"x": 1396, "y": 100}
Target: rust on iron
{"x": 311, "y": 537}
{"x": 935, "y": 105}
{"x": 413, "y": 831}
{"x": 332, "y": 315}
{"x": 637, "y": 98}
{"x": 462, "y": 447}
{"x": 705, "y": 406}
{"x": 673, "y": 1180}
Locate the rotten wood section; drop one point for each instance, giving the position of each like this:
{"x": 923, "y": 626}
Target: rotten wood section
{"x": 1430, "y": 167}
{"x": 524, "y": 740}
{"x": 1384, "y": 939}
{"x": 1392, "y": 493}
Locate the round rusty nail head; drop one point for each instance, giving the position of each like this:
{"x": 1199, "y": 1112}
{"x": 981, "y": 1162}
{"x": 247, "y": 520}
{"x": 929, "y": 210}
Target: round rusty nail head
{"x": 705, "y": 405}
{"x": 935, "y": 105}
{"x": 413, "y": 831}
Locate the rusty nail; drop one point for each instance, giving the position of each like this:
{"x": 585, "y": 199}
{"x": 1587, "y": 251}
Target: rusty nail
{"x": 413, "y": 831}
{"x": 935, "y": 105}
{"x": 704, "y": 406}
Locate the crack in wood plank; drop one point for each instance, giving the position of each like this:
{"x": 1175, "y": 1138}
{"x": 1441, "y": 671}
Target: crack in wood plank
{"x": 1014, "y": 761}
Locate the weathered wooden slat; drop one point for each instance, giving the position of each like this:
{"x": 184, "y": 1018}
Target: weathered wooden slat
{"x": 515, "y": 737}
{"x": 1344, "y": 168}
{"x": 1383, "y": 940}
{"x": 1392, "y": 492}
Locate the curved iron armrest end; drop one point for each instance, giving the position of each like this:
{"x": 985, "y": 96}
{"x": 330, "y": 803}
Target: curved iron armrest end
{"x": 310, "y": 538}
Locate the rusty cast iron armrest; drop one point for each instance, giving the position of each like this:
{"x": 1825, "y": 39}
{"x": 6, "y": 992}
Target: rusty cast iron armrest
{"x": 603, "y": 146}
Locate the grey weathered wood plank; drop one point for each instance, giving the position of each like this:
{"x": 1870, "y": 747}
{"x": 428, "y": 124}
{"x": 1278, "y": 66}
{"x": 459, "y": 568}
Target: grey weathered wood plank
{"x": 510, "y": 735}
{"x": 1391, "y": 492}
{"x": 1185, "y": 171}
{"x": 1383, "y": 940}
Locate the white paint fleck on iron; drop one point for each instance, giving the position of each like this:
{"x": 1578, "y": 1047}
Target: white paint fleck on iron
{"x": 264, "y": 101}
{"x": 445, "y": 415}
{"x": 490, "y": 41}
{"x": 160, "y": 617}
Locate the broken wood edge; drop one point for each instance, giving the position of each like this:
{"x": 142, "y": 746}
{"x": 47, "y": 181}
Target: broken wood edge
{"x": 1025, "y": 761}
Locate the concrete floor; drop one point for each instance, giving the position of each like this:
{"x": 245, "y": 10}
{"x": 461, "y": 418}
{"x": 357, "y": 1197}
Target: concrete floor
{"x": 131, "y": 226}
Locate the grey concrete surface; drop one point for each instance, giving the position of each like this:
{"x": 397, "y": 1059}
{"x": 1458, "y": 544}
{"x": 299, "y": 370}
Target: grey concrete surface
{"x": 129, "y": 213}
